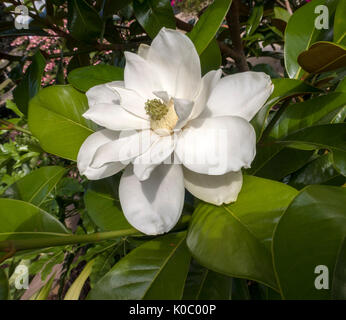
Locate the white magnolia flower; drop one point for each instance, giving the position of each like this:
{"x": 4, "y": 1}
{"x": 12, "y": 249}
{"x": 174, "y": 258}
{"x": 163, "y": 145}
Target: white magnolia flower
{"x": 163, "y": 108}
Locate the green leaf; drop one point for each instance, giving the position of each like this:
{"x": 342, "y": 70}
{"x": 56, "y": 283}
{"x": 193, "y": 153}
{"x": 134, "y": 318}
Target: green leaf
{"x": 84, "y": 23}
{"x": 276, "y": 162}
{"x": 305, "y": 114}
{"x": 281, "y": 13}
{"x": 19, "y": 217}
{"x": 301, "y": 33}
{"x": 111, "y": 7}
{"x": 30, "y": 84}
{"x": 45, "y": 290}
{"x": 103, "y": 205}
{"x": 74, "y": 291}
{"x": 68, "y": 186}
{"x": 273, "y": 161}
{"x": 318, "y": 217}
{"x": 340, "y": 23}
{"x": 341, "y": 86}
{"x": 208, "y": 24}
{"x": 283, "y": 88}
{"x": 87, "y": 77}
{"x": 235, "y": 239}
{"x": 204, "y": 284}
{"x": 211, "y": 57}
{"x": 155, "y": 270}
{"x": 339, "y": 157}
{"x": 329, "y": 136}
{"x": 55, "y": 118}
{"x": 37, "y": 185}
{"x": 323, "y": 56}
{"x": 295, "y": 118}
{"x": 4, "y": 288}
{"x": 153, "y": 15}
{"x": 12, "y": 106}
{"x": 254, "y": 20}
{"x": 317, "y": 171}
{"x": 339, "y": 277}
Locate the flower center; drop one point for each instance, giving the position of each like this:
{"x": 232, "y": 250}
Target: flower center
{"x": 163, "y": 117}
{"x": 156, "y": 109}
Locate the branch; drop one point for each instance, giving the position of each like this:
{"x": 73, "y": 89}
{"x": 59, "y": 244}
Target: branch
{"x": 288, "y": 7}
{"x": 11, "y": 126}
{"x": 232, "y": 19}
{"x": 68, "y": 239}
{"x": 182, "y": 25}
{"x": 10, "y": 57}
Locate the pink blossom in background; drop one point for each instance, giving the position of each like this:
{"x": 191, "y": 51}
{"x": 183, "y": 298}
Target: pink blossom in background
{"x": 173, "y": 2}
{"x": 51, "y": 46}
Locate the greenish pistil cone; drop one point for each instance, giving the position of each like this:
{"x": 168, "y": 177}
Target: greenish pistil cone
{"x": 156, "y": 109}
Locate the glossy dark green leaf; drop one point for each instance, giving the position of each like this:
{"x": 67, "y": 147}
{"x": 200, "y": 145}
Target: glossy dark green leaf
{"x": 208, "y": 24}
{"x": 235, "y": 239}
{"x": 305, "y": 114}
{"x": 276, "y": 162}
{"x": 341, "y": 86}
{"x": 340, "y": 23}
{"x": 103, "y": 205}
{"x": 37, "y": 185}
{"x": 111, "y": 7}
{"x": 329, "y": 136}
{"x": 55, "y": 118}
{"x": 295, "y": 118}
{"x": 211, "y": 57}
{"x": 155, "y": 270}
{"x": 86, "y": 77}
{"x": 323, "y": 56}
{"x": 339, "y": 277}
{"x": 84, "y": 23}
{"x": 301, "y": 33}
{"x": 30, "y": 84}
{"x": 317, "y": 171}
{"x": 254, "y": 20}
{"x": 153, "y": 15}
{"x": 339, "y": 157}
{"x": 20, "y": 219}
{"x": 318, "y": 217}
{"x": 283, "y": 88}
{"x": 204, "y": 284}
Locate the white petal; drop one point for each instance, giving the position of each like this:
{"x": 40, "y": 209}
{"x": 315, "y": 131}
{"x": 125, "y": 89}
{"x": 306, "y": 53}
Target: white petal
{"x": 241, "y": 94}
{"x": 217, "y": 145}
{"x": 214, "y": 189}
{"x": 163, "y": 95}
{"x": 177, "y": 62}
{"x": 183, "y": 109}
{"x": 115, "y": 117}
{"x": 87, "y": 152}
{"x": 141, "y": 76}
{"x": 103, "y": 94}
{"x": 209, "y": 81}
{"x": 131, "y": 101}
{"x": 153, "y": 206}
{"x": 143, "y": 50}
{"x": 144, "y": 164}
{"x": 127, "y": 146}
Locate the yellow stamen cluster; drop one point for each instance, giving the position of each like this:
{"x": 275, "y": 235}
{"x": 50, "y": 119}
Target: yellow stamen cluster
{"x": 163, "y": 117}
{"x": 156, "y": 109}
